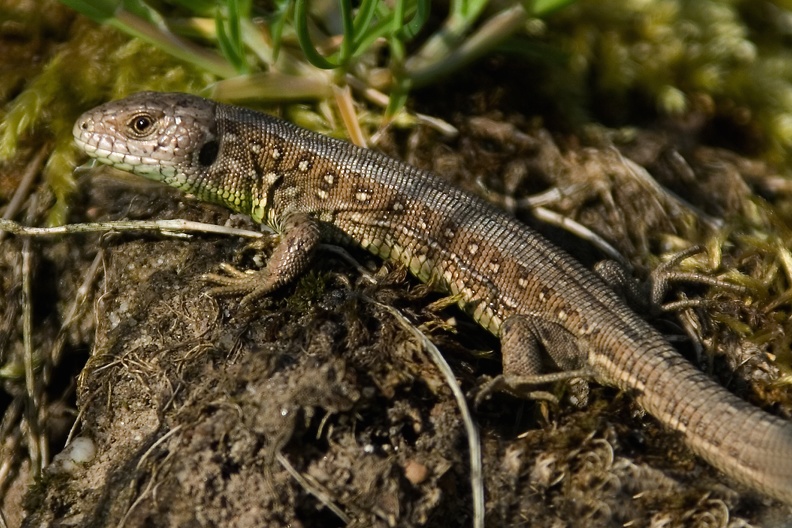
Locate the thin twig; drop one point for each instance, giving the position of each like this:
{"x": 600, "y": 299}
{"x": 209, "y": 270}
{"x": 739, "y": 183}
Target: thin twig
{"x": 12, "y": 456}
{"x": 343, "y": 99}
{"x": 21, "y": 192}
{"x": 157, "y": 443}
{"x": 313, "y": 487}
{"x": 77, "y": 302}
{"x": 32, "y": 404}
{"x": 166, "y": 227}
{"x": 579, "y": 230}
{"x": 151, "y": 487}
{"x": 380, "y": 99}
{"x": 673, "y": 200}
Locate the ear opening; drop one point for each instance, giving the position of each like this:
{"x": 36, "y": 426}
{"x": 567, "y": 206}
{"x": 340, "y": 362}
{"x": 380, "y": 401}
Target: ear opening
{"x": 208, "y": 153}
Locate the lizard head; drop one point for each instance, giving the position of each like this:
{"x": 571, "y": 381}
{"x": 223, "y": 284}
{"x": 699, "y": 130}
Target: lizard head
{"x": 168, "y": 137}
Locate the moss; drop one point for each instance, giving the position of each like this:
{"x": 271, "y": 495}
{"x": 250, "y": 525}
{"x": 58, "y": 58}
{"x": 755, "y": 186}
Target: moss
{"x": 95, "y": 65}
{"x": 310, "y": 289}
{"x": 719, "y": 58}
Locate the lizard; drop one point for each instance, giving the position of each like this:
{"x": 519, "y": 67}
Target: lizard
{"x": 539, "y": 301}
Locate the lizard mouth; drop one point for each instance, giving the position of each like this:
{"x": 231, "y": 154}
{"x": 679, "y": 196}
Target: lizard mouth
{"x": 100, "y": 145}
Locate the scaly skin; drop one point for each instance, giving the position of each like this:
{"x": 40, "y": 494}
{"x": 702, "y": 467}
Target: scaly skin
{"x": 510, "y": 280}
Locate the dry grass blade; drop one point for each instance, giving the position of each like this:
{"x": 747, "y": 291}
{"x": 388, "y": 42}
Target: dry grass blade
{"x": 312, "y": 487}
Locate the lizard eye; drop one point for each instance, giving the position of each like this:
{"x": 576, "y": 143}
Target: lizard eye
{"x": 141, "y": 124}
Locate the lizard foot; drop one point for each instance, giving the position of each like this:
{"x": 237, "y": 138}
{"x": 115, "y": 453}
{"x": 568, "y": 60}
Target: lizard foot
{"x": 251, "y": 285}
{"x": 648, "y": 297}
{"x": 519, "y": 386}
{"x": 290, "y": 258}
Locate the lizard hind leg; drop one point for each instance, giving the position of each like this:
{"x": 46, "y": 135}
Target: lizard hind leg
{"x": 527, "y": 343}
{"x": 647, "y": 297}
{"x": 289, "y": 259}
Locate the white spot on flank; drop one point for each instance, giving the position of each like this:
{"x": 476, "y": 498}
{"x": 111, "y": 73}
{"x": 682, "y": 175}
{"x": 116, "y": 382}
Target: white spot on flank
{"x": 276, "y": 154}
{"x": 322, "y": 194}
{"x": 494, "y": 267}
{"x": 255, "y": 148}
{"x": 230, "y": 137}
{"x": 271, "y": 177}
{"x": 397, "y": 206}
{"x": 329, "y": 178}
{"x": 291, "y": 192}
{"x": 304, "y": 165}
{"x": 362, "y": 196}
{"x": 522, "y": 282}
{"x": 473, "y": 248}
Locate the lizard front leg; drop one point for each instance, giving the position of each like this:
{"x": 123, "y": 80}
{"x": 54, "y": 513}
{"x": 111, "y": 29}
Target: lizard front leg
{"x": 290, "y": 258}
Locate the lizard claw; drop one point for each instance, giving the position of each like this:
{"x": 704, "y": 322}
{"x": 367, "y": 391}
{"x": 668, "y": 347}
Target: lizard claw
{"x": 251, "y": 285}
{"x": 519, "y": 385}
{"x": 502, "y": 383}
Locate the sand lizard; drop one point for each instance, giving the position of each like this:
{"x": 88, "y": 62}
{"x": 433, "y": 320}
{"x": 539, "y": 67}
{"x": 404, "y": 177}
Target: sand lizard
{"x": 512, "y": 281}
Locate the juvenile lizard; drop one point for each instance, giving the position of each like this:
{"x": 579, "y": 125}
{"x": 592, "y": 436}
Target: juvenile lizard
{"x": 512, "y": 281}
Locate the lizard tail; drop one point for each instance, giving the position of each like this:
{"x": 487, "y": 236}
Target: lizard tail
{"x": 746, "y": 443}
